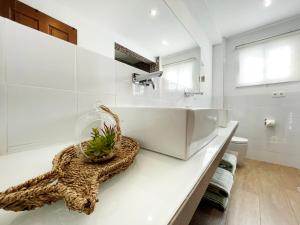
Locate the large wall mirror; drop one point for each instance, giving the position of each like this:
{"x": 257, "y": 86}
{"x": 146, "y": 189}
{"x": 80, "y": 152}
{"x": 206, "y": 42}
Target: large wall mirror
{"x": 148, "y": 29}
{"x": 156, "y": 40}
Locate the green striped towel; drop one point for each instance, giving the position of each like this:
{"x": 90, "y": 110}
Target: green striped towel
{"x": 215, "y": 200}
{"x": 219, "y": 188}
{"x": 221, "y": 182}
{"x": 228, "y": 162}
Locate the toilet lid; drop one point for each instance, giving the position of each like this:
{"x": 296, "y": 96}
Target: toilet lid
{"x": 239, "y": 140}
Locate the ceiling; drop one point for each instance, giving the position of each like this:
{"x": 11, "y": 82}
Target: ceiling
{"x": 230, "y": 17}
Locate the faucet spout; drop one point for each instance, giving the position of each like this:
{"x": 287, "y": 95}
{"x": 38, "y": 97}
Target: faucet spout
{"x": 146, "y": 79}
{"x": 151, "y": 82}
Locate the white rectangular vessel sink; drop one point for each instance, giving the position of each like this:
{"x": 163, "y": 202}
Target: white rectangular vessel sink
{"x": 178, "y": 132}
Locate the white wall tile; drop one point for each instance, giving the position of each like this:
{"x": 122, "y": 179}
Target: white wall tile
{"x": 96, "y": 39}
{"x": 2, "y": 76}
{"x": 38, "y": 59}
{"x": 217, "y": 74}
{"x": 3, "y": 119}
{"x": 95, "y": 73}
{"x": 283, "y": 139}
{"x": 87, "y": 101}
{"x": 126, "y": 100}
{"x": 169, "y": 89}
{"x": 40, "y": 115}
{"x": 292, "y": 160}
{"x": 124, "y": 85}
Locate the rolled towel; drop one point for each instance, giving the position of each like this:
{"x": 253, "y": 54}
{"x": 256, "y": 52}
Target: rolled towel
{"x": 215, "y": 200}
{"x": 229, "y": 162}
{"x": 221, "y": 182}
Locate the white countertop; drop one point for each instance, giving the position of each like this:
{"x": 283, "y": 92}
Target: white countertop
{"x": 149, "y": 192}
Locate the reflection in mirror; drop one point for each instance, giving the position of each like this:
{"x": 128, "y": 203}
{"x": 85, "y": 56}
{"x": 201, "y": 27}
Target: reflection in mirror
{"x": 182, "y": 69}
{"x": 125, "y": 55}
{"x": 161, "y": 42}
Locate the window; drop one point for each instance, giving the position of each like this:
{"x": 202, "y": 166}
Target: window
{"x": 179, "y": 75}
{"x": 270, "y": 62}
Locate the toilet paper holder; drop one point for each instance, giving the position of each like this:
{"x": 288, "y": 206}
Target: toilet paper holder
{"x": 269, "y": 122}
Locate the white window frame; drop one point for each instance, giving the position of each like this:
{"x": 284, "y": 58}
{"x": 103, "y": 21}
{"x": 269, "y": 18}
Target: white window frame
{"x": 253, "y": 44}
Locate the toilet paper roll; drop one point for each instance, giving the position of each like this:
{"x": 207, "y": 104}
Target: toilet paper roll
{"x": 270, "y": 123}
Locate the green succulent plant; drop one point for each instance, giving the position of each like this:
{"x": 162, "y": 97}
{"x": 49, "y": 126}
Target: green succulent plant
{"x": 101, "y": 143}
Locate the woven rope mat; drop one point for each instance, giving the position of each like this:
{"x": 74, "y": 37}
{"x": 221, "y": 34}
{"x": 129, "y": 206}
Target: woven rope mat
{"x": 70, "y": 179}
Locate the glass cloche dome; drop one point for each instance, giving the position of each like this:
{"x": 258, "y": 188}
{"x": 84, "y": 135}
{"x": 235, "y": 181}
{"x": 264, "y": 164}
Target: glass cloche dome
{"x": 98, "y": 134}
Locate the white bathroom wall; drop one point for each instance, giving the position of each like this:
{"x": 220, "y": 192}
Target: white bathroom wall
{"x": 2, "y": 78}
{"x": 38, "y": 116}
{"x": 32, "y": 53}
{"x": 95, "y": 77}
{"x": 95, "y": 73}
{"x": 218, "y": 75}
{"x": 3, "y": 119}
{"x": 48, "y": 83}
{"x": 45, "y": 85}
{"x": 40, "y": 87}
{"x": 251, "y": 105}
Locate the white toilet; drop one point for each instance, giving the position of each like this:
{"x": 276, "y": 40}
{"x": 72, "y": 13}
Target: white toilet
{"x": 240, "y": 146}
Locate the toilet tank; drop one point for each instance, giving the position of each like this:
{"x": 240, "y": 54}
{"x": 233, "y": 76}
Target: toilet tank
{"x": 177, "y": 132}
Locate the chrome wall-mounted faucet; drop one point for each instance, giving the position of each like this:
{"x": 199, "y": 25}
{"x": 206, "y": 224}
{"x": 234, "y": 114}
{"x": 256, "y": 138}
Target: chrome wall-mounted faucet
{"x": 146, "y": 79}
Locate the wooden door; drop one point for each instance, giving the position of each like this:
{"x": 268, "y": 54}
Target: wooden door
{"x": 5, "y": 8}
{"x": 26, "y": 15}
{"x": 35, "y": 19}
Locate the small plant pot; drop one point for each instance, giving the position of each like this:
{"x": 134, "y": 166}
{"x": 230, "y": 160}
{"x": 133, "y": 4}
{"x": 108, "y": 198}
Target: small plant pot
{"x": 96, "y": 159}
